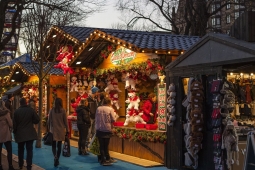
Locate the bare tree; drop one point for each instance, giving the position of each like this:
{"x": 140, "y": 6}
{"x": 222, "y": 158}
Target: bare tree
{"x": 37, "y": 19}
{"x": 191, "y": 16}
{"x": 80, "y": 10}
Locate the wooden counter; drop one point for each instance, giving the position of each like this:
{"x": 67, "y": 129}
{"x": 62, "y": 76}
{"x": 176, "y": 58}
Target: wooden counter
{"x": 153, "y": 151}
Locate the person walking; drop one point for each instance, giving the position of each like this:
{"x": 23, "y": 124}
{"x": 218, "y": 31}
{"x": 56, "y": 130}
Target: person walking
{"x": 8, "y": 104}
{"x": 93, "y": 104}
{"x": 5, "y": 134}
{"x": 105, "y": 116}
{"x": 24, "y": 132}
{"x": 57, "y": 125}
{"x": 83, "y": 123}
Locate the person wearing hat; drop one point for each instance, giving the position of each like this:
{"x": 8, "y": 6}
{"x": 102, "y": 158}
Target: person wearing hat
{"x": 8, "y": 104}
{"x": 93, "y": 103}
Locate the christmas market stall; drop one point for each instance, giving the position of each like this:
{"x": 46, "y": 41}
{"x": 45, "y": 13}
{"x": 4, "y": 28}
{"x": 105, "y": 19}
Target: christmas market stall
{"x": 214, "y": 84}
{"x": 54, "y": 85}
{"x": 128, "y": 66}
{"x": 8, "y": 87}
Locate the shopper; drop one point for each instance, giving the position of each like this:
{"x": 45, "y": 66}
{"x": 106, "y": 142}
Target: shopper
{"x": 83, "y": 123}
{"x": 105, "y": 116}
{"x": 5, "y": 134}
{"x": 8, "y": 104}
{"x": 32, "y": 102}
{"x": 93, "y": 104}
{"x": 57, "y": 125}
{"x": 150, "y": 108}
{"x": 24, "y": 132}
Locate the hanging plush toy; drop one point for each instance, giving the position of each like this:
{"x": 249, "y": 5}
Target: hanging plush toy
{"x": 64, "y": 57}
{"x": 112, "y": 84}
{"x": 133, "y": 101}
{"x": 115, "y": 99}
{"x": 130, "y": 81}
{"x": 74, "y": 84}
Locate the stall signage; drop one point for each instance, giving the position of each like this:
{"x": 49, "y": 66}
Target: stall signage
{"x": 122, "y": 56}
{"x": 162, "y": 107}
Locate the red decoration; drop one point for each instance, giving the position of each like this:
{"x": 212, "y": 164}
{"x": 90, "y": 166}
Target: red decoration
{"x": 65, "y": 56}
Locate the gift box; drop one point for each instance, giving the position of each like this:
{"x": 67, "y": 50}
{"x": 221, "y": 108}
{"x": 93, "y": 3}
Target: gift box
{"x": 139, "y": 125}
{"x": 151, "y": 126}
{"x": 118, "y": 124}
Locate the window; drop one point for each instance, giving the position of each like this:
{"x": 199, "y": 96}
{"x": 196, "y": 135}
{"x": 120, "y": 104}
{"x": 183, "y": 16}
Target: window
{"x": 213, "y": 21}
{"x": 236, "y": 15}
{"x": 213, "y": 8}
{"x": 228, "y": 19}
{"x": 228, "y": 5}
{"x": 217, "y": 21}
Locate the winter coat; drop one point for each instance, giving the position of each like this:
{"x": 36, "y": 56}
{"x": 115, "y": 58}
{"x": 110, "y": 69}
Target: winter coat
{"x": 147, "y": 107}
{"x": 93, "y": 104}
{"x": 8, "y": 105}
{"x": 57, "y": 124}
{"x": 6, "y": 125}
{"x": 23, "y": 124}
{"x": 83, "y": 116}
{"x": 105, "y": 116}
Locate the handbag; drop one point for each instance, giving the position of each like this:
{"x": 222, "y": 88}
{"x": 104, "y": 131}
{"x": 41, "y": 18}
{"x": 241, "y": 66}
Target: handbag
{"x": 66, "y": 147}
{"x": 48, "y": 139}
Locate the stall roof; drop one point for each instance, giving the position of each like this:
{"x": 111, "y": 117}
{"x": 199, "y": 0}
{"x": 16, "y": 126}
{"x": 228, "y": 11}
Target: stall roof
{"x": 23, "y": 58}
{"x": 13, "y": 90}
{"x": 141, "y": 39}
{"x": 216, "y": 49}
{"x": 32, "y": 68}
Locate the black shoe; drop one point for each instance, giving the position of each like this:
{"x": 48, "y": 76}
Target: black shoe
{"x": 112, "y": 160}
{"x": 11, "y": 167}
{"x": 56, "y": 162}
{"x": 85, "y": 153}
{"x": 105, "y": 163}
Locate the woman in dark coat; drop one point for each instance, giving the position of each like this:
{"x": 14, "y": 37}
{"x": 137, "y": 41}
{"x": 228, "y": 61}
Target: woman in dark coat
{"x": 150, "y": 109}
{"x": 57, "y": 124}
{"x": 83, "y": 123}
{"x": 5, "y": 133}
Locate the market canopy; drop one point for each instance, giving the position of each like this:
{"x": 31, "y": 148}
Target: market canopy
{"x": 214, "y": 50}
{"x": 13, "y": 90}
{"x": 25, "y": 58}
{"x": 90, "y": 43}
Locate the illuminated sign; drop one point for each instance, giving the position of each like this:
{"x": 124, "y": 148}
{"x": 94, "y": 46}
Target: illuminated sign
{"x": 122, "y": 56}
{"x": 162, "y": 107}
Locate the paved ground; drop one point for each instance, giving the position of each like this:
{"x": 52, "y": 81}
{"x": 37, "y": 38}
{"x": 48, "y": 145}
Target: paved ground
{"x": 15, "y": 162}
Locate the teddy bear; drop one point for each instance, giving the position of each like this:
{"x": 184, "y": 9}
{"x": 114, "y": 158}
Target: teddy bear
{"x": 133, "y": 100}
{"x": 115, "y": 99}
{"x": 130, "y": 81}
{"x": 134, "y": 116}
{"x": 74, "y": 84}
{"x": 112, "y": 84}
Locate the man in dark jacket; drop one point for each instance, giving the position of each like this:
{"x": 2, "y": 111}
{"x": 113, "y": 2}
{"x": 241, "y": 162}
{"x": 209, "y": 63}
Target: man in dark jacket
{"x": 83, "y": 123}
{"x": 24, "y": 132}
{"x": 93, "y": 104}
{"x": 8, "y": 104}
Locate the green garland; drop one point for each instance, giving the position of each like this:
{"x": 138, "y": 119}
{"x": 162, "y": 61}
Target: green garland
{"x": 138, "y": 135}
{"x": 134, "y": 66}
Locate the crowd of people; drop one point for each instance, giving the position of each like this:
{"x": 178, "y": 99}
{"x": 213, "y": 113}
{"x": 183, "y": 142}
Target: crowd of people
{"x": 95, "y": 116}
{"x": 21, "y": 123}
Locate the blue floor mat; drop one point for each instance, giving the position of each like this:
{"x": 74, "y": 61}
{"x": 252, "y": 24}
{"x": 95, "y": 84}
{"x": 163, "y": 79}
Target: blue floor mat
{"x": 43, "y": 157}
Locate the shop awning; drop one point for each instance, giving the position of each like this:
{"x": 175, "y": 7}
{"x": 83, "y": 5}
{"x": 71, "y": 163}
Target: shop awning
{"x": 214, "y": 50}
{"x": 13, "y": 90}
{"x": 23, "y": 58}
